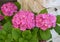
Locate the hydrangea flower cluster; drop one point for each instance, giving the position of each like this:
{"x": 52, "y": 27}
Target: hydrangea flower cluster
{"x": 24, "y": 20}
{"x": 1, "y": 17}
{"x": 45, "y": 21}
{"x": 9, "y": 9}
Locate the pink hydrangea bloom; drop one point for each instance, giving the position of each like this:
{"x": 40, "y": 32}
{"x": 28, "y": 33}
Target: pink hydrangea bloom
{"x": 45, "y": 21}
{"x": 9, "y": 8}
{"x": 1, "y": 17}
{"x": 24, "y": 20}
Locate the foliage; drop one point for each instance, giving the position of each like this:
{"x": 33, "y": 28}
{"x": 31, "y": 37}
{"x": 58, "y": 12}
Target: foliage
{"x": 58, "y": 19}
{"x": 44, "y": 11}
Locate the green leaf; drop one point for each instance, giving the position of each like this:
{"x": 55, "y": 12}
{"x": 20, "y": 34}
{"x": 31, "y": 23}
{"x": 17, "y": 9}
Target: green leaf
{"x": 38, "y": 35}
{"x": 19, "y": 32}
{"x": 1, "y": 40}
{"x": 2, "y": 37}
{"x": 2, "y": 34}
{"x": 21, "y": 39}
{"x": 58, "y": 19}
{"x": 7, "y": 40}
{"x": 44, "y": 11}
{"x": 9, "y": 36}
{"x": 18, "y": 5}
{"x": 15, "y": 34}
{"x": 34, "y": 39}
{"x": 57, "y": 29}
{"x": 3, "y": 22}
{"x": 26, "y": 41}
{"x": 7, "y": 18}
{"x": 7, "y": 27}
{"x": 35, "y": 13}
{"x": 45, "y": 35}
{"x": 34, "y": 31}
{"x": 27, "y": 34}
{"x": 50, "y": 41}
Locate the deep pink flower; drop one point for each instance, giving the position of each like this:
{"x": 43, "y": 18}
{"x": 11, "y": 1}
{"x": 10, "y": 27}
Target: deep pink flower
{"x": 9, "y": 8}
{"x": 1, "y": 17}
{"x": 45, "y": 21}
{"x": 24, "y": 20}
